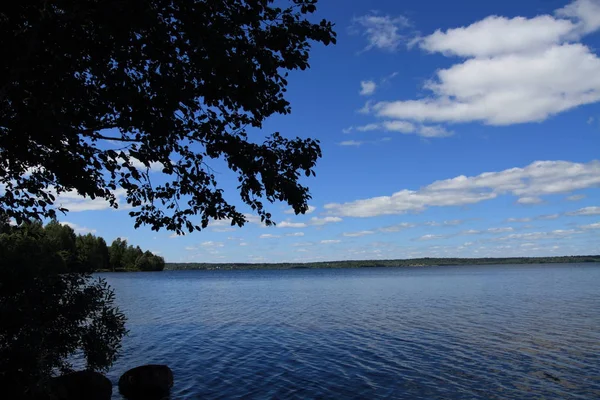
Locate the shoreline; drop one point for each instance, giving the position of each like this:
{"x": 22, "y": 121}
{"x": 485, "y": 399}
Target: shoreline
{"x": 412, "y": 263}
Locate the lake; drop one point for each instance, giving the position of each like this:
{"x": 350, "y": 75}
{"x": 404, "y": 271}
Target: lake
{"x": 472, "y": 332}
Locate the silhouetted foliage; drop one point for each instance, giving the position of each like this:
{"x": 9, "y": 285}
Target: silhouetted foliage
{"x": 175, "y": 83}
{"x": 150, "y": 262}
{"x": 92, "y": 253}
{"x": 62, "y": 238}
{"x": 116, "y": 253}
{"x": 130, "y": 258}
{"x": 93, "y": 94}
{"x": 4, "y": 223}
{"x": 48, "y": 313}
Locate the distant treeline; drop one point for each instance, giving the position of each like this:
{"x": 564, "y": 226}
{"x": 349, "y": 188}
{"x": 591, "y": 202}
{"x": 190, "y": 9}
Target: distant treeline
{"x": 75, "y": 253}
{"x": 416, "y": 262}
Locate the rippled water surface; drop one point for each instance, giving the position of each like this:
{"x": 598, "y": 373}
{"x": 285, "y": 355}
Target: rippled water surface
{"x": 493, "y": 332}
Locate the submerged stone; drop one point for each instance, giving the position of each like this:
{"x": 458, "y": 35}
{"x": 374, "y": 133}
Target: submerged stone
{"x": 79, "y": 385}
{"x": 146, "y": 382}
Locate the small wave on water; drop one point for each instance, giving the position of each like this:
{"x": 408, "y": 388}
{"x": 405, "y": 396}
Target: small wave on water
{"x": 494, "y": 332}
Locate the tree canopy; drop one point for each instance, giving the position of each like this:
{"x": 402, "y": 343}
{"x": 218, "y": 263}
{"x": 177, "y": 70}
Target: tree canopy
{"x": 123, "y": 257}
{"x": 174, "y": 82}
{"x": 95, "y": 93}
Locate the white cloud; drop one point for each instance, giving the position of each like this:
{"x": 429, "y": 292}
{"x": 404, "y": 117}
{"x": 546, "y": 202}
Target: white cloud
{"x": 404, "y": 127}
{"x": 518, "y": 220}
{"x": 288, "y": 224}
{"x": 257, "y": 259}
{"x": 470, "y": 232}
{"x": 268, "y": 236}
{"x": 302, "y": 244}
{"x": 137, "y": 164}
{"x": 72, "y": 201}
{"x": 585, "y": 211}
{"x": 517, "y": 70}
{"x": 253, "y": 219}
{"x": 355, "y": 143}
{"x": 453, "y": 222}
{"x": 430, "y": 237}
{"x": 576, "y": 197}
{"x": 210, "y": 243}
{"x": 250, "y": 219}
{"x": 507, "y": 90}
{"x": 82, "y": 230}
{"x": 225, "y": 229}
{"x": 591, "y": 226}
{"x": 496, "y": 35}
{"x": 367, "y": 88}
{"x": 322, "y": 221}
{"x": 590, "y": 120}
{"x": 219, "y": 222}
{"x": 382, "y": 31}
{"x": 586, "y": 13}
{"x": 529, "y": 200}
{"x": 310, "y": 210}
{"x": 555, "y": 234}
{"x": 537, "y": 179}
{"x": 366, "y": 109}
{"x": 368, "y": 127}
{"x": 191, "y": 248}
{"x": 433, "y": 131}
{"x": 295, "y": 234}
{"x": 358, "y": 234}
{"x": 386, "y": 79}
{"x": 399, "y": 126}
{"x": 243, "y": 244}
{"x": 397, "y": 227}
{"x": 330, "y": 241}
{"x": 500, "y": 230}
{"x": 548, "y": 216}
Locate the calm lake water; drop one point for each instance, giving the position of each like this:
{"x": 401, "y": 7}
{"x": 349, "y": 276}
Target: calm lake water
{"x": 472, "y": 332}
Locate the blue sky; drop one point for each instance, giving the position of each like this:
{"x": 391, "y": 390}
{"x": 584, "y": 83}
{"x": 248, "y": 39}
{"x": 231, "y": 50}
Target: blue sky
{"x": 448, "y": 129}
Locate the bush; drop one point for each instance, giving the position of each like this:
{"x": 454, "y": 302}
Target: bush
{"x": 48, "y": 313}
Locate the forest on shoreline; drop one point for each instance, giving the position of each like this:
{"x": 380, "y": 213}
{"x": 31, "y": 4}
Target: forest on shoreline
{"x": 73, "y": 252}
{"x": 415, "y": 262}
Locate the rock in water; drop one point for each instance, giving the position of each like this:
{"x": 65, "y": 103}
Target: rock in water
{"x": 79, "y": 385}
{"x": 146, "y": 382}
{"x": 550, "y": 376}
